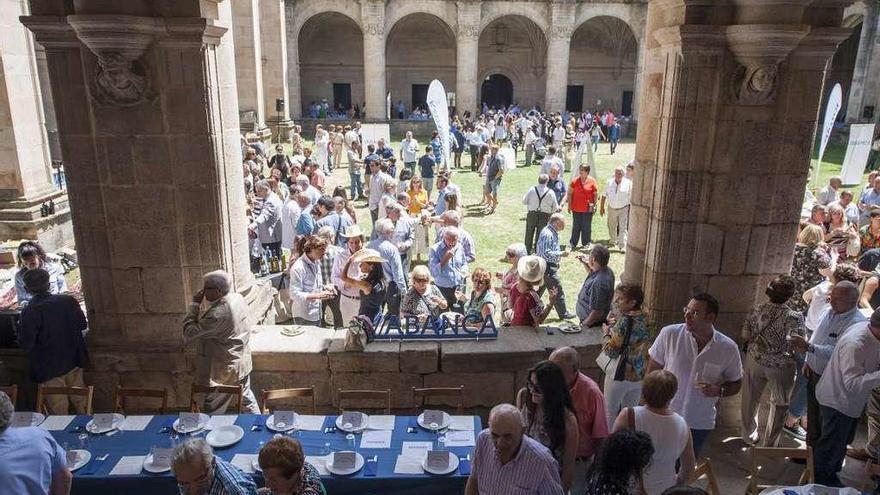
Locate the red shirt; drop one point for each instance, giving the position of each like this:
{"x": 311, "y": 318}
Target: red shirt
{"x": 589, "y": 407}
{"x": 524, "y": 307}
{"x": 582, "y": 194}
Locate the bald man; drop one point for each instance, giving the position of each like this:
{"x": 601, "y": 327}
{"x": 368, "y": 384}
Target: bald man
{"x": 589, "y": 406}
{"x": 506, "y": 461}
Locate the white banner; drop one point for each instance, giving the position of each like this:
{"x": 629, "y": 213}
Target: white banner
{"x": 856, "y": 153}
{"x": 388, "y": 106}
{"x": 439, "y": 109}
{"x": 831, "y": 111}
{"x": 371, "y": 133}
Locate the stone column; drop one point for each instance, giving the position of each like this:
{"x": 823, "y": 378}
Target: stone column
{"x": 864, "y": 88}
{"x": 558, "y": 48}
{"x": 373, "y": 25}
{"x": 50, "y": 122}
{"x": 25, "y": 162}
{"x": 467, "y": 53}
{"x": 640, "y": 12}
{"x": 717, "y": 96}
{"x": 248, "y": 32}
{"x": 274, "y": 40}
{"x": 294, "y": 88}
{"x": 155, "y": 177}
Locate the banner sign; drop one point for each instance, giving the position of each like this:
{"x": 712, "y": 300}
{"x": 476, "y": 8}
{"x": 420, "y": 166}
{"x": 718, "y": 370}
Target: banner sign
{"x": 439, "y": 108}
{"x": 834, "y": 102}
{"x": 445, "y": 327}
{"x": 857, "y": 151}
{"x": 371, "y": 133}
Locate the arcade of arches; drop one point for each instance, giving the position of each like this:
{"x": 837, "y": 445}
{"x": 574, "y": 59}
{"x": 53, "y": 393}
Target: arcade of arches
{"x": 150, "y": 219}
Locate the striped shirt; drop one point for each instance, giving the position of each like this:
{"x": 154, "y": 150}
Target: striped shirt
{"x": 548, "y": 245}
{"x": 229, "y": 480}
{"x": 532, "y": 471}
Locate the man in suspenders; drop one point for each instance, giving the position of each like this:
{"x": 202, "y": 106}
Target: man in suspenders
{"x": 540, "y": 203}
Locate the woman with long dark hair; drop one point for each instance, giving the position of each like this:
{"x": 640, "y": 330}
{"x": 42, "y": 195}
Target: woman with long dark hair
{"x": 548, "y": 414}
{"x": 619, "y": 463}
{"x": 372, "y": 284}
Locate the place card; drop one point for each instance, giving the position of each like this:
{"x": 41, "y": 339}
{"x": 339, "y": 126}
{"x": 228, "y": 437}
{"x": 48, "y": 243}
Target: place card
{"x": 162, "y": 457}
{"x": 460, "y": 439}
{"x": 343, "y": 461}
{"x": 135, "y": 423}
{"x": 57, "y": 423}
{"x": 433, "y": 417}
{"x": 462, "y": 423}
{"x": 408, "y": 465}
{"x": 381, "y": 422}
{"x": 353, "y": 418}
{"x": 319, "y": 463}
{"x": 103, "y": 421}
{"x": 376, "y": 439}
{"x": 245, "y": 462}
{"x": 128, "y": 465}
{"x": 416, "y": 450}
{"x": 22, "y": 419}
{"x": 219, "y": 420}
{"x": 284, "y": 419}
{"x": 437, "y": 460}
{"x": 309, "y": 423}
{"x": 189, "y": 421}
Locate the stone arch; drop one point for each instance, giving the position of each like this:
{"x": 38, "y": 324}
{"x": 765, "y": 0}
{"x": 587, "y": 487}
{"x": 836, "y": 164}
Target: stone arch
{"x": 589, "y": 11}
{"x": 304, "y": 11}
{"x": 603, "y": 65}
{"x": 515, "y": 46}
{"x": 535, "y": 12}
{"x": 397, "y": 10}
{"x": 854, "y": 14}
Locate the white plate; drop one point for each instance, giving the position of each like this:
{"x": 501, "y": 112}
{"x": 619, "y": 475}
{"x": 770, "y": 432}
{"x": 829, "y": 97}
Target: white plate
{"x": 447, "y": 420}
{"x": 364, "y": 423}
{"x": 567, "y": 327}
{"x": 91, "y": 427}
{"x": 36, "y": 418}
{"x": 358, "y": 465}
{"x": 151, "y": 468}
{"x": 256, "y": 466}
{"x": 203, "y": 421}
{"x": 453, "y": 465}
{"x": 270, "y": 424}
{"x": 224, "y": 436}
{"x": 82, "y": 458}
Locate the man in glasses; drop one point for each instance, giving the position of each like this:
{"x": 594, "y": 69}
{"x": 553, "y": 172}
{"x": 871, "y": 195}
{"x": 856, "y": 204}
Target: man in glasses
{"x": 705, "y": 361}
{"x": 199, "y": 472}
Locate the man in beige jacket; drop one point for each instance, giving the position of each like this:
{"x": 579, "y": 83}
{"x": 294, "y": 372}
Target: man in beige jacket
{"x": 222, "y": 331}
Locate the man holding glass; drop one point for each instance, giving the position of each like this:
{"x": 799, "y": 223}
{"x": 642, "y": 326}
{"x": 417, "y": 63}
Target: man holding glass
{"x": 705, "y": 361}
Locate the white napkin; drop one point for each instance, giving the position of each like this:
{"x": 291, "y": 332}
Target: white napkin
{"x": 309, "y": 423}
{"x": 319, "y": 462}
{"x": 463, "y": 423}
{"x": 135, "y": 423}
{"x": 376, "y": 439}
{"x": 245, "y": 462}
{"x": 128, "y": 465}
{"x": 218, "y": 421}
{"x": 381, "y": 422}
{"x": 408, "y": 465}
{"x": 57, "y": 423}
{"x": 460, "y": 439}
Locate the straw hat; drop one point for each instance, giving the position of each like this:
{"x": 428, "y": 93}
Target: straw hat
{"x": 353, "y": 231}
{"x": 531, "y": 268}
{"x": 367, "y": 255}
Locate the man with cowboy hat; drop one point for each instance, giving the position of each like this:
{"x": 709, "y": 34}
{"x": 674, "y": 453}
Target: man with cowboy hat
{"x": 349, "y": 295}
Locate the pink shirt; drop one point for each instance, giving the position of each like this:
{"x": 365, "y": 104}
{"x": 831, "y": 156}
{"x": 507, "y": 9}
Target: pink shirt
{"x": 589, "y": 406}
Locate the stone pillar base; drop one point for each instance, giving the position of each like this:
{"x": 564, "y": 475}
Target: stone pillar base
{"x": 21, "y": 219}
{"x": 280, "y": 127}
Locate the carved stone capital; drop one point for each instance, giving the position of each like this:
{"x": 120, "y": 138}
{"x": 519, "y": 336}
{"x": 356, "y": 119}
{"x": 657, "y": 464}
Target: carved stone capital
{"x": 468, "y": 31}
{"x": 759, "y": 49}
{"x": 53, "y": 32}
{"x": 561, "y": 31}
{"x": 374, "y": 29}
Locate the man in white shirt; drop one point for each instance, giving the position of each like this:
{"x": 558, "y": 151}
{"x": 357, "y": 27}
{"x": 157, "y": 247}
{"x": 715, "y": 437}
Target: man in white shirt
{"x": 617, "y": 192}
{"x": 540, "y": 203}
{"x": 843, "y": 391}
{"x": 831, "y": 192}
{"x": 290, "y": 214}
{"x": 529, "y": 143}
{"x": 409, "y": 147}
{"x": 550, "y": 161}
{"x": 377, "y": 188}
{"x": 705, "y": 361}
{"x": 850, "y": 210}
{"x": 349, "y": 296}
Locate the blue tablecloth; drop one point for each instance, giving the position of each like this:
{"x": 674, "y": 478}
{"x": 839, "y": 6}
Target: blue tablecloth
{"x": 95, "y": 479}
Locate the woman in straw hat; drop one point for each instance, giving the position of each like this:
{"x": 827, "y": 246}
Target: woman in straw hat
{"x": 372, "y": 283}
{"x": 528, "y": 311}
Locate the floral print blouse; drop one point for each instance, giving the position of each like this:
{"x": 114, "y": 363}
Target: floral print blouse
{"x": 639, "y": 342}
{"x": 805, "y": 270}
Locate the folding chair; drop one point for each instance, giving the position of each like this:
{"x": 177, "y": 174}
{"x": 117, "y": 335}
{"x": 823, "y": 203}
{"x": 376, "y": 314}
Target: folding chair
{"x": 364, "y": 395}
{"x": 705, "y": 469}
{"x": 287, "y": 393}
{"x": 420, "y": 394}
{"x": 140, "y": 393}
{"x": 43, "y": 392}
{"x": 778, "y": 453}
{"x": 233, "y": 390}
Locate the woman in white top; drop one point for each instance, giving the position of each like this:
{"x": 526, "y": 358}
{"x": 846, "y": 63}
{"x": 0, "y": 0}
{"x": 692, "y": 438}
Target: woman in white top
{"x": 307, "y": 288}
{"x": 668, "y": 431}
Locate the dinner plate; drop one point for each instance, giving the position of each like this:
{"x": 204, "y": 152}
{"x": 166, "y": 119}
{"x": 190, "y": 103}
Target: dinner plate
{"x": 566, "y": 327}
{"x": 82, "y": 458}
{"x": 203, "y": 421}
{"x": 292, "y": 331}
{"x": 447, "y": 420}
{"x": 91, "y": 427}
{"x": 224, "y": 436}
{"x": 152, "y": 468}
{"x": 350, "y": 429}
{"x": 358, "y": 465}
{"x": 282, "y": 427}
{"x": 36, "y": 418}
{"x": 450, "y": 468}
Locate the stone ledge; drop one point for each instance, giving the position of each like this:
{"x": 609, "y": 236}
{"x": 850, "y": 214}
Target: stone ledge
{"x": 419, "y": 357}
{"x": 515, "y": 349}
{"x": 272, "y": 351}
{"x": 376, "y": 357}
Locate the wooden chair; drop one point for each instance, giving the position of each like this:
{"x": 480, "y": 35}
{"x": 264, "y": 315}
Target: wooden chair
{"x": 778, "y": 453}
{"x": 233, "y": 390}
{"x": 705, "y": 469}
{"x": 44, "y": 391}
{"x": 11, "y": 391}
{"x": 140, "y": 393}
{"x": 362, "y": 395}
{"x": 287, "y": 393}
{"x": 420, "y": 394}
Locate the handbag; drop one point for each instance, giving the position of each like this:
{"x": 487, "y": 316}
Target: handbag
{"x": 603, "y": 360}
{"x": 360, "y": 333}
{"x": 620, "y": 372}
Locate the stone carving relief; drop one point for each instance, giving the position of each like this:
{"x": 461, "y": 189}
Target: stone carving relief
{"x": 561, "y": 32}
{"x": 755, "y": 85}
{"x": 759, "y": 50}
{"x": 121, "y": 82}
{"x": 377, "y": 30}
{"x": 470, "y": 31}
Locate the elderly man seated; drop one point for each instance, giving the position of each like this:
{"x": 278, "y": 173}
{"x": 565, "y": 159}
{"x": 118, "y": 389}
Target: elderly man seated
{"x": 223, "y": 331}
{"x": 507, "y": 461}
{"x": 31, "y": 462}
{"x": 198, "y": 471}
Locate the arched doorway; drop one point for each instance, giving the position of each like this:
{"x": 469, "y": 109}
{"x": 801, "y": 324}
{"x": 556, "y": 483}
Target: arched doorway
{"x": 331, "y": 66}
{"x": 602, "y": 66}
{"x": 516, "y": 45}
{"x": 497, "y": 91}
{"x": 408, "y": 70}
{"x": 842, "y": 67}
